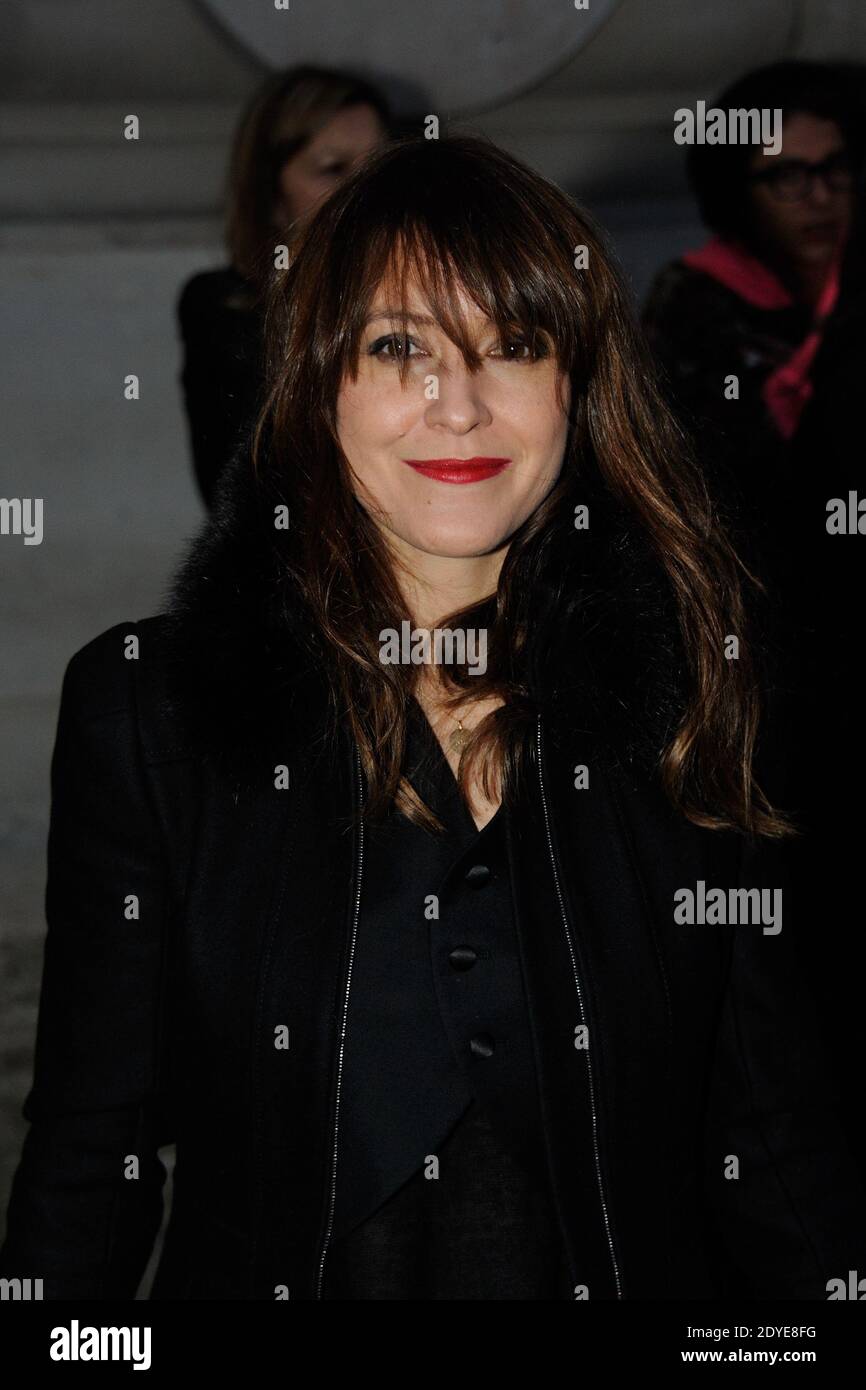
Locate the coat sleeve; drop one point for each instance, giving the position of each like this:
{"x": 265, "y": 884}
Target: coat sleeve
{"x": 86, "y": 1199}
{"x": 786, "y": 1193}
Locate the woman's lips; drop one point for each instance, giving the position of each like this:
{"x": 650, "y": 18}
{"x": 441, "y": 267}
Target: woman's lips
{"x": 473, "y": 470}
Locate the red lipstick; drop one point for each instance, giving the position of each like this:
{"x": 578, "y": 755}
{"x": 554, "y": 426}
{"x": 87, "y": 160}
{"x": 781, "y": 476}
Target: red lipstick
{"x": 473, "y": 470}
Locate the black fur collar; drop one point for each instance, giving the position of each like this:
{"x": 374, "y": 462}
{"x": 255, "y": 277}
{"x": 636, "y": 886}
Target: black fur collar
{"x": 244, "y": 665}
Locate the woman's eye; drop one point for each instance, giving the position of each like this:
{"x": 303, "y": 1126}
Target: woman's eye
{"x": 393, "y": 346}
{"x": 515, "y": 350}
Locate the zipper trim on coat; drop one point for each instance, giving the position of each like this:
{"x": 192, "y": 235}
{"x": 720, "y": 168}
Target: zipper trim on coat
{"x": 579, "y": 991}
{"x": 358, "y": 857}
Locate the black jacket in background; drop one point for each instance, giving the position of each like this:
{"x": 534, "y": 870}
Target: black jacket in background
{"x": 824, "y": 612}
{"x": 221, "y": 327}
{"x": 158, "y": 1025}
{"x": 701, "y": 332}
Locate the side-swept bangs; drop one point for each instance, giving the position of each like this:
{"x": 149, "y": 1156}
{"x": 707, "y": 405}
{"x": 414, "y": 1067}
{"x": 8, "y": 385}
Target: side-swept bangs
{"x": 435, "y": 216}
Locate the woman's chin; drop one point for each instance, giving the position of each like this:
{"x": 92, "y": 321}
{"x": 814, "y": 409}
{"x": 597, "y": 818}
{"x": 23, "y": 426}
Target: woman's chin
{"x": 458, "y": 544}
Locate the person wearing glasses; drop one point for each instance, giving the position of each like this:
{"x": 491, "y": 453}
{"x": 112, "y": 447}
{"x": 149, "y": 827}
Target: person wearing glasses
{"x": 736, "y": 324}
{"x": 776, "y": 300}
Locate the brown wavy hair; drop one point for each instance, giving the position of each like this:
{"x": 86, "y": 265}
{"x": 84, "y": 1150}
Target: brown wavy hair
{"x": 646, "y": 598}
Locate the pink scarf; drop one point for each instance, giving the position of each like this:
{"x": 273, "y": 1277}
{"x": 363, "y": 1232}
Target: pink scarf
{"x": 788, "y": 388}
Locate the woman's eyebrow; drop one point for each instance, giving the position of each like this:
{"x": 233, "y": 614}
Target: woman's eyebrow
{"x": 400, "y": 314}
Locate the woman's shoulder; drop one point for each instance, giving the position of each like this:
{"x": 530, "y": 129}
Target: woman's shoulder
{"x": 679, "y": 285}
{"x": 214, "y": 292}
{"x": 105, "y": 659}
{"x": 124, "y": 674}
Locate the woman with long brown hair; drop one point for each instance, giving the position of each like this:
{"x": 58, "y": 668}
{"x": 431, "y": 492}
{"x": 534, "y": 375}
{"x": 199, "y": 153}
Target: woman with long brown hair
{"x": 406, "y": 873}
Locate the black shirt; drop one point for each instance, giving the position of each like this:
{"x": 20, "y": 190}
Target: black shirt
{"x": 442, "y": 1190}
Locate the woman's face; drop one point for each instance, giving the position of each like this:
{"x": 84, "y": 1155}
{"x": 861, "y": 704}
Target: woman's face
{"x": 807, "y": 231}
{"x": 449, "y": 462}
{"x": 332, "y": 154}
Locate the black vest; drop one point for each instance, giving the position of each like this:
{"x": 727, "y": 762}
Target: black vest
{"x": 441, "y": 1184}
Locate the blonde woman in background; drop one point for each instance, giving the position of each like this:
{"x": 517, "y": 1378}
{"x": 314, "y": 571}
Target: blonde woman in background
{"x": 302, "y": 133}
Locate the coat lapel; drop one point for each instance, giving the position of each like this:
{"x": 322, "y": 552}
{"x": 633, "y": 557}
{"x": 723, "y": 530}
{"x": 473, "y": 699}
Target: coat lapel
{"x": 608, "y": 933}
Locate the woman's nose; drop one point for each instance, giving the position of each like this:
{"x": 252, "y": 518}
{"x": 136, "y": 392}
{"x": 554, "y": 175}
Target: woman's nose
{"x": 457, "y": 399}
{"x": 820, "y": 194}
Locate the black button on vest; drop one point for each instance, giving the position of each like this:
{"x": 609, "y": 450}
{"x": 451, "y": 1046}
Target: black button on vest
{"x": 478, "y": 876}
{"x": 463, "y": 957}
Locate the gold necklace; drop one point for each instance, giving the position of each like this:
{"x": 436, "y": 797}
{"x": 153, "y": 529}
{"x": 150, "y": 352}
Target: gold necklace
{"x": 459, "y": 738}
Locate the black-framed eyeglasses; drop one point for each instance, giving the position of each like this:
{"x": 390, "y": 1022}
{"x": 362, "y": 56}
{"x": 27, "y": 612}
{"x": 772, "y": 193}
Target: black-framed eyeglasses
{"x": 793, "y": 180}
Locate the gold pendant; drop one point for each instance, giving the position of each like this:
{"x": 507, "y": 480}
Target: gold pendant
{"x": 459, "y": 738}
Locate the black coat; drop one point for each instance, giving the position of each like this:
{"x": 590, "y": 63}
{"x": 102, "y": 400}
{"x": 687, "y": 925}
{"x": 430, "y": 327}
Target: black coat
{"x": 159, "y": 1027}
{"x": 824, "y": 595}
{"x": 700, "y": 331}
